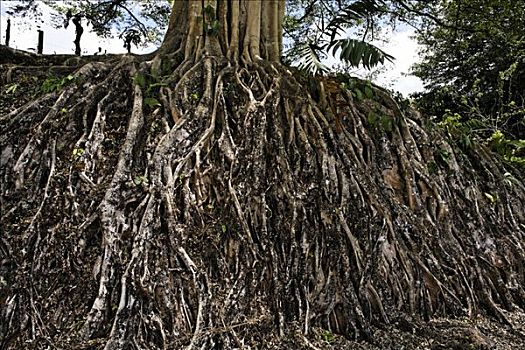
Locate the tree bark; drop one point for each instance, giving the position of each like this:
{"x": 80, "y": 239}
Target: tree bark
{"x": 250, "y": 30}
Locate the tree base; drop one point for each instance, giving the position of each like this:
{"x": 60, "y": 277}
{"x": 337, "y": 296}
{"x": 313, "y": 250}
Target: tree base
{"x": 226, "y": 206}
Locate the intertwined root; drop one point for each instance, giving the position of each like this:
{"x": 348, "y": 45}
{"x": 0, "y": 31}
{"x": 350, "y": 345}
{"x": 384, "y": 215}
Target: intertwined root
{"x": 223, "y": 204}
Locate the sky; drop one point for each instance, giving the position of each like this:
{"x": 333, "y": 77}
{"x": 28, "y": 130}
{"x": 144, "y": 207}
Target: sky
{"x": 24, "y": 36}
{"x": 404, "y": 48}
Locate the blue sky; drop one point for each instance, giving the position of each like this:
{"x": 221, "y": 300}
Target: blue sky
{"x": 24, "y": 37}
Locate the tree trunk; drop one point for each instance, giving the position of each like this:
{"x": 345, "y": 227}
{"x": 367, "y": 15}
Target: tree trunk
{"x": 207, "y": 199}
{"x": 79, "y": 30}
{"x": 249, "y": 30}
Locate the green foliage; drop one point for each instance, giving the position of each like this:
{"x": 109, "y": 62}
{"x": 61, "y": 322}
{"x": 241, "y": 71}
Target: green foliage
{"x": 140, "y": 80}
{"x": 512, "y": 151}
{"x": 387, "y": 123}
{"x": 78, "y": 152}
{"x": 466, "y": 132}
{"x": 139, "y": 180}
{"x": 474, "y": 64}
{"x": 361, "y": 89}
{"x": 55, "y": 84}
{"x": 451, "y": 121}
{"x": 369, "y": 93}
{"x": 154, "y": 86}
{"x": 151, "y": 102}
{"x": 211, "y": 24}
{"x": 356, "y": 52}
{"x": 432, "y": 168}
{"x": 318, "y": 22}
{"x": 353, "y": 52}
{"x": 327, "y": 336}
{"x": 11, "y": 88}
{"x": 462, "y": 132}
{"x": 326, "y": 39}
{"x": 310, "y": 59}
{"x": 150, "y": 83}
{"x": 364, "y": 90}
{"x": 381, "y": 120}
{"x": 442, "y": 155}
{"x": 351, "y": 14}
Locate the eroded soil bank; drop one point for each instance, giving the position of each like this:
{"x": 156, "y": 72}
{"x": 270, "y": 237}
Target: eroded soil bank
{"x": 226, "y": 206}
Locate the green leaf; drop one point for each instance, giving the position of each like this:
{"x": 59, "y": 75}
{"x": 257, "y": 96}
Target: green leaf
{"x": 369, "y": 93}
{"x": 328, "y": 336}
{"x": 209, "y": 11}
{"x": 490, "y": 197}
{"x": 214, "y": 27}
{"x": 140, "y": 80}
{"x": 50, "y": 84}
{"x": 11, "y": 89}
{"x": 359, "y": 95}
{"x": 387, "y": 123}
{"x": 154, "y": 85}
{"x": 310, "y": 61}
{"x": 350, "y": 16}
{"x": 138, "y": 180}
{"x": 356, "y": 52}
{"x": 372, "y": 119}
{"x": 77, "y": 152}
{"x": 151, "y": 102}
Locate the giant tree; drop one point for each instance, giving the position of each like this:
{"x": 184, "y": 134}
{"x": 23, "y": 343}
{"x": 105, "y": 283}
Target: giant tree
{"x": 207, "y": 196}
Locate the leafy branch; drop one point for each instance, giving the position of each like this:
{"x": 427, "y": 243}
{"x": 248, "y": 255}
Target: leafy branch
{"x": 351, "y": 51}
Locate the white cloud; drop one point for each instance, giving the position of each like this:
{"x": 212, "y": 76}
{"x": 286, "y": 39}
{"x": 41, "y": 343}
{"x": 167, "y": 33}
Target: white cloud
{"x": 395, "y": 75}
{"x": 404, "y": 48}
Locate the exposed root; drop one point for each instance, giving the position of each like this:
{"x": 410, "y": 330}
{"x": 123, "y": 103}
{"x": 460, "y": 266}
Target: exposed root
{"x": 243, "y": 209}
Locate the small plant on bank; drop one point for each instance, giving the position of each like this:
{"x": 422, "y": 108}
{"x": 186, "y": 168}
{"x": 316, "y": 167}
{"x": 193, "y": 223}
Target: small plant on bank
{"x": 55, "y": 84}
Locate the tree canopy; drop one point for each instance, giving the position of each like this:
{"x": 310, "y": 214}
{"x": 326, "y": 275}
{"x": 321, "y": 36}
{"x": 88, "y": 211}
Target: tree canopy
{"x": 474, "y": 68}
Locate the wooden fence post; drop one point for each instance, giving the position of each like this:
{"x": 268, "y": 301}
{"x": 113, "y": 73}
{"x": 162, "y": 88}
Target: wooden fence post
{"x": 40, "y": 46}
{"x": 8, "y": 32}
